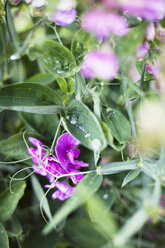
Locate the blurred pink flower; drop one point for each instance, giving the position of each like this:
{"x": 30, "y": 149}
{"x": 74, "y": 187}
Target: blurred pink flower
{"x": 100, "y": 64}
{"x": 64, "y": 17}
{"x": 150, "y": 32}
{"x": 111, "y": 3}
{"x": 102, "y": 23}
{"x": 142, "y": 50}
{"x": 153, "y": 69}
{"x": 148, "y": 9}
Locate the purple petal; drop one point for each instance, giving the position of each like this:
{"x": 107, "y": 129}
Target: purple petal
{"x": 100, "y": 64}
{"x": 79, "y": 176}
{"x": 151, "y": 10}
{"x": 37, "y": 156}
{"x": 101, "y": 23}
{"x": 53, "y": 168}
{"x": 142, "y": 50}
{"x": 59, "y": 195}
{"x": 78, "y": 164}
{"x": 64, "y": 191}
{"x": 39, "y": 170}
{"x": 64, "y": 17}
{"x": 35, "y": 142}
{"x": 72, "y": 154}
{"x": 65, "y": 144}
{"x": 150, "y": 32}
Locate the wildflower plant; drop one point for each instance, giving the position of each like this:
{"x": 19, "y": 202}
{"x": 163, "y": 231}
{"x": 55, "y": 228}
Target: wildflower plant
{"x": 82, "y": 126}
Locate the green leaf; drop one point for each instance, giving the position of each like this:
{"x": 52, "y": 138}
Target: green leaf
{"x": 88, "y": 186}
{"x": 71, "y": 86}
{"x": 40, "y": 194}
{"x": 30, "y": 97}
{"x": 44, "y": 125}
{"x": 130, "y": 177}
{"x": 110, "y": 138}
{"x": 103, "y": 218}
{"x": 9, "y": 201}
{"x": 44, "y": 78}
{"x": 35, "y": 239}
{"x": 118, "y": 124}
{"x": 13, "y": 227}
{"x": 4, "y": 242}
{"x": 80, "y": 85}
{"x": 77, "y": 230}
{"x": 56, "y": 58}
{"x": 15, "y": 148}
{"x": 117, "y": 167}
{"x": 62, "y": 84}
{"x": 81, "y": 44}
{"x": 128, "y": 44}
{"x": 83, "y": 125}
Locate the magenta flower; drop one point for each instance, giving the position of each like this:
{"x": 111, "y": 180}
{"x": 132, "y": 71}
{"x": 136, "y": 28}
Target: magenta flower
{"x": 102, "y": 23}
{"x": 150, "y": 32}
{"x": 64, "y": 190}
{"x": 64, "y": 164}
{"x": 151, "y": 10}
{"x": 64, "y": 17}
{"x": 100, "y": 64}
{"x": 142, "y": 50}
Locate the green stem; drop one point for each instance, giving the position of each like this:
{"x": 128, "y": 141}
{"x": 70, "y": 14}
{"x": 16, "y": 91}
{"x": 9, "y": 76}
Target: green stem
{"x": 11, "y": 28}
{"x": 128, "y": 106}
{"x": 58, "y": 37}
{"x": 55, "y": 136}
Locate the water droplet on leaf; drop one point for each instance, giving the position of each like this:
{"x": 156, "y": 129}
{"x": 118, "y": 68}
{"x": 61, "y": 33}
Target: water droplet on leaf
{"x": 96, "y": 144}
{"x": 73, "y": 120}
{"x": 105, "y": 196}
{"x": 81, "y": 128}
{"x": 87, "y": 135}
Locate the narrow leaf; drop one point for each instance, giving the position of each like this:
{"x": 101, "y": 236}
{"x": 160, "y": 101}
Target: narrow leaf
{"x": 130, "y": 177}
{"x": 117, "y": 167}
{"x": 40, "y": 194}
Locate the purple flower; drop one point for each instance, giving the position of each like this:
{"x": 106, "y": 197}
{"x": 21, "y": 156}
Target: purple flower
{"x": 153, "y": 69}
{"x": 150, "y": 32}
{"x": 151, "y": 10}
{"x": 64, "y": 164}
{"x": 102, "y": 23}
{"x": 64, "y": 190}
{"x": 64, "y": 17}
{"x": 142, "y": 50}
{"x": 100, "y": 64}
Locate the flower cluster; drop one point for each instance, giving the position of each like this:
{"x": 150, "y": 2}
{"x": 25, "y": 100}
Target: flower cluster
{"x": 64, "y": 163}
